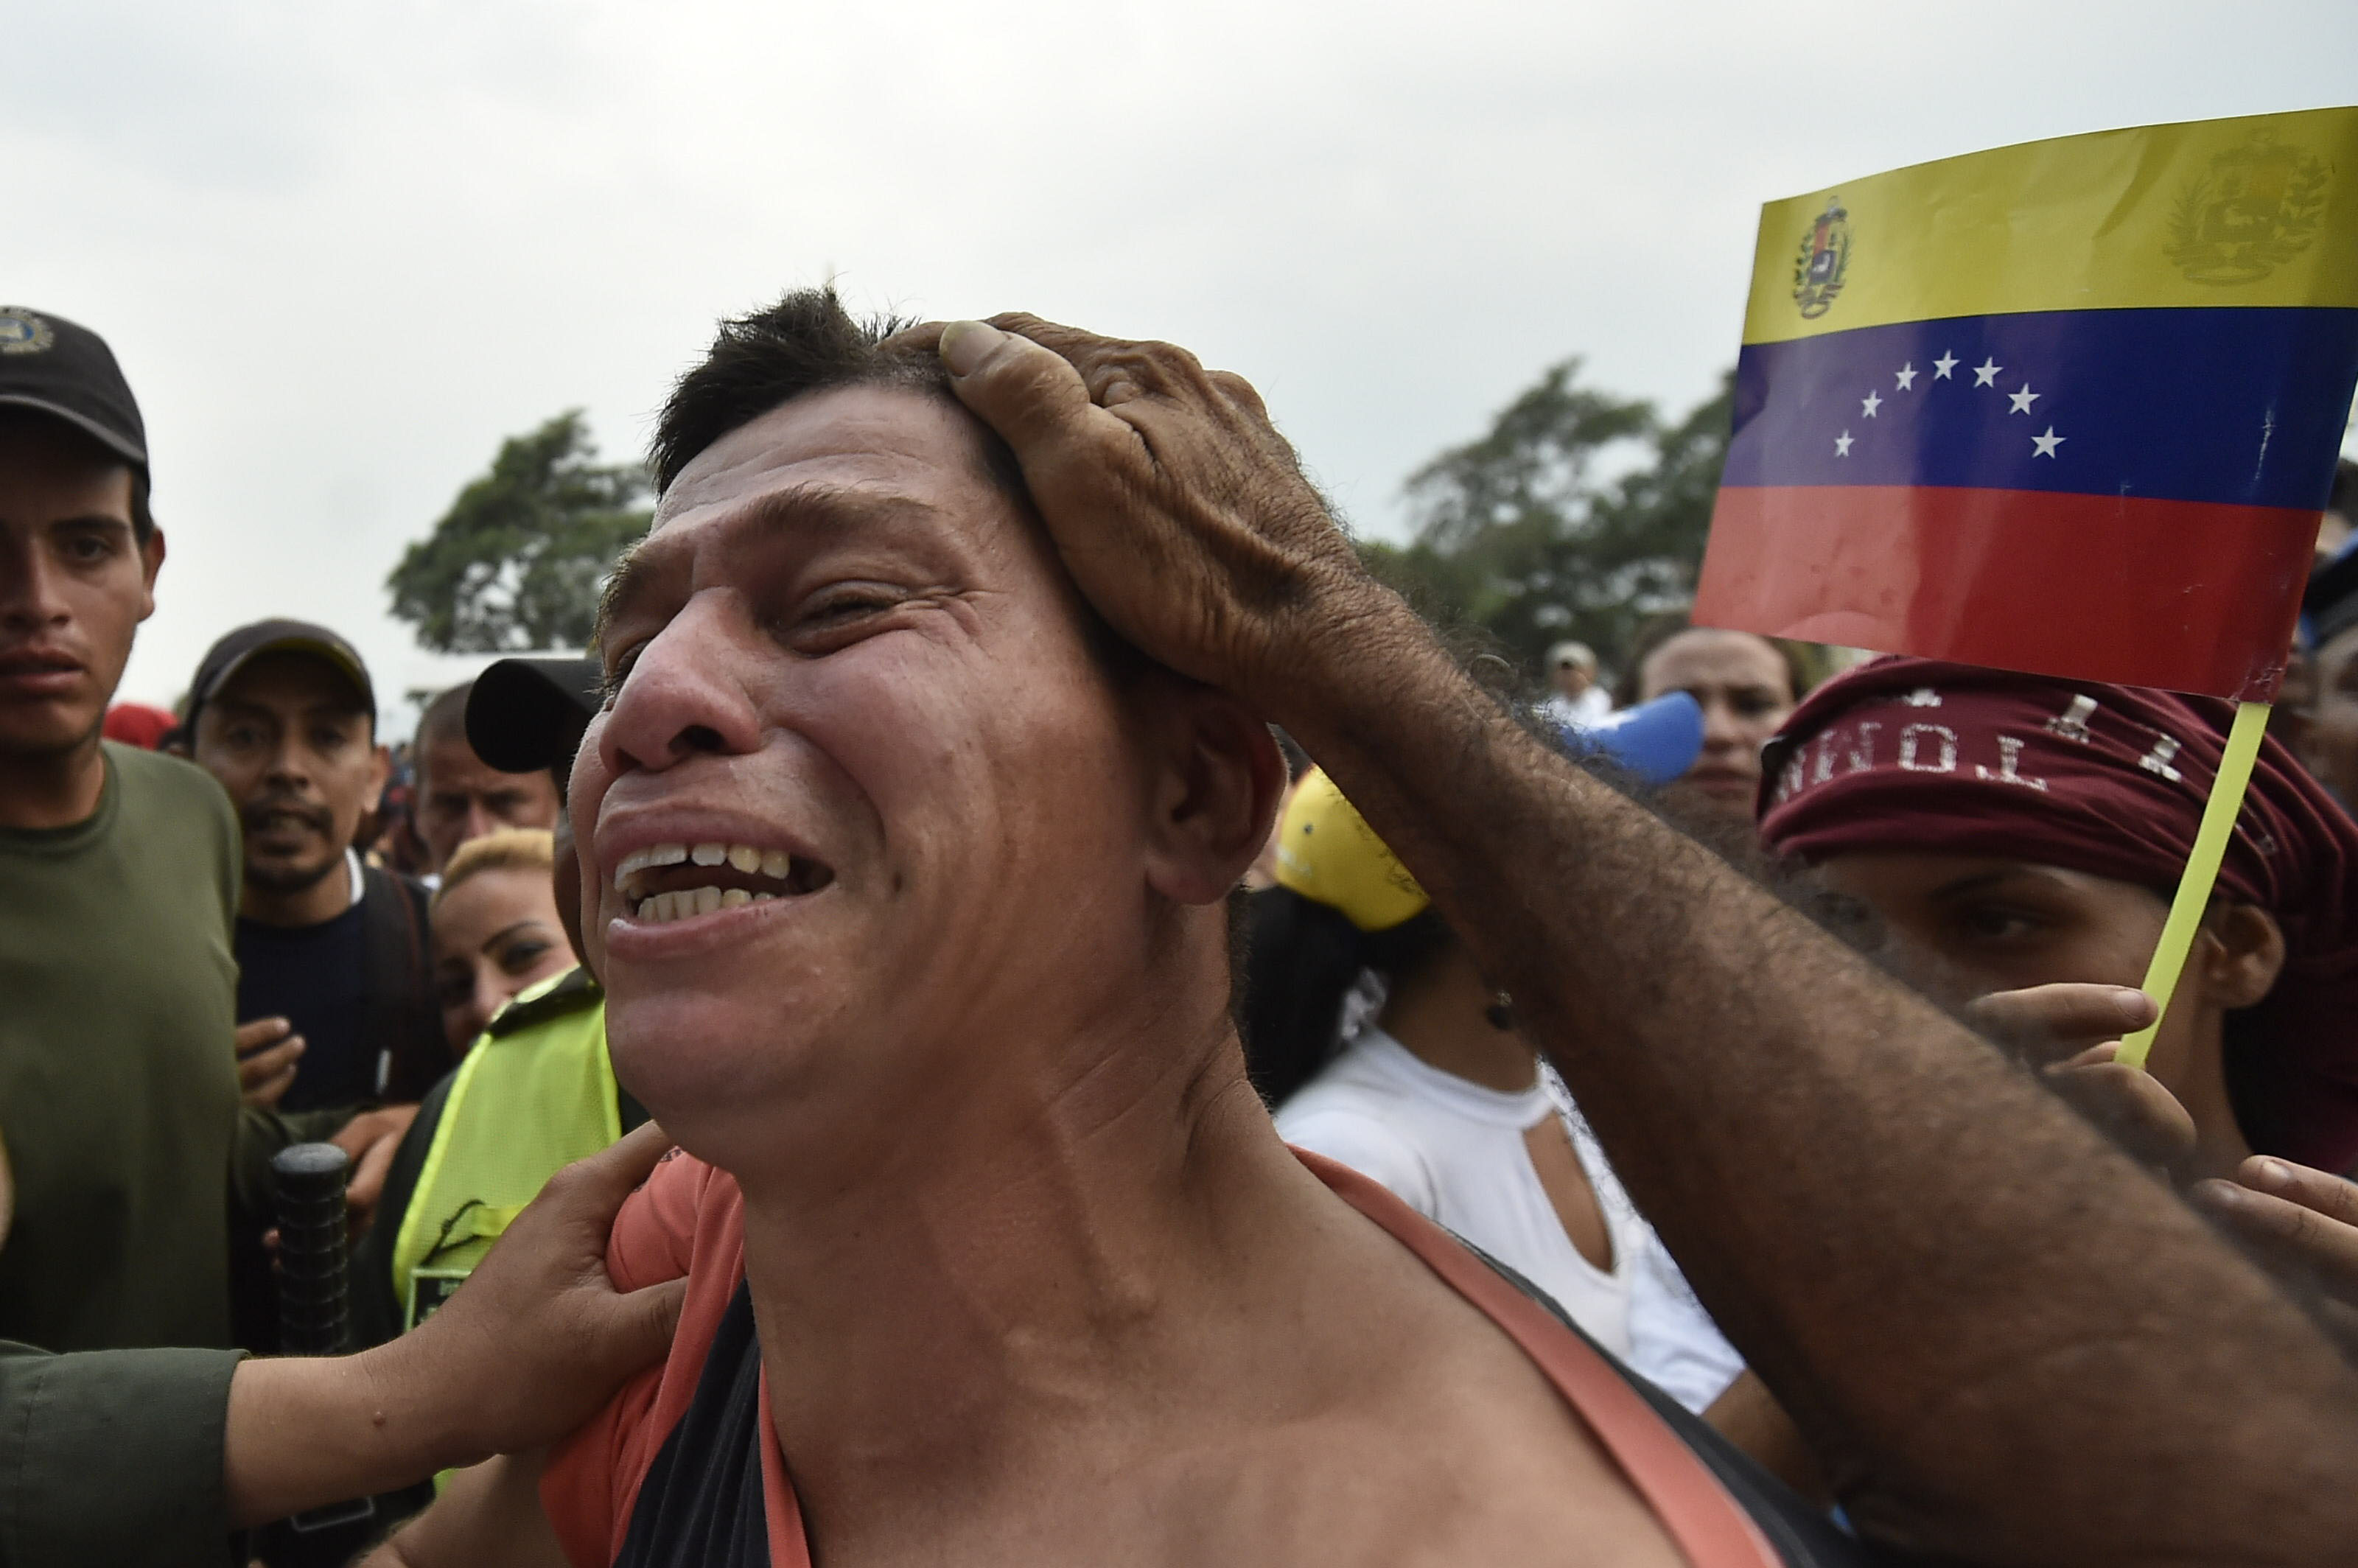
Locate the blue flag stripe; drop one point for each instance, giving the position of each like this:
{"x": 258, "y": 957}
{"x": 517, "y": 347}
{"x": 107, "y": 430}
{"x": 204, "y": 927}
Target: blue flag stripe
{"x": 2243, "y": 406}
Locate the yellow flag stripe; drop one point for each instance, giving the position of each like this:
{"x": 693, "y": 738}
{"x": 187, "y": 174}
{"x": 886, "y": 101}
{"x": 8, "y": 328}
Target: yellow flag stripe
{"x": 2258, "y": 211}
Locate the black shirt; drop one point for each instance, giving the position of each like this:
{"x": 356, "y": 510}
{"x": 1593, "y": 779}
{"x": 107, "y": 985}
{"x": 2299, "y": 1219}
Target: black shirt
{"x": 314, "y": 976}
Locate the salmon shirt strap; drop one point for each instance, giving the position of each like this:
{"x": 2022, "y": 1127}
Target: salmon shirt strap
{"x": 1710, "y": 1526}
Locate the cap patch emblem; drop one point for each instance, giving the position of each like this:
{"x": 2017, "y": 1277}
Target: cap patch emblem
{"x": 22, "y": 332}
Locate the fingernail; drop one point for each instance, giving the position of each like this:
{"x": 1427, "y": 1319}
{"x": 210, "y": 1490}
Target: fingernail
{"x": 964, "y": 344}
{"x": 2268, "y": 1174}
{"x": 2136, "y": 1006}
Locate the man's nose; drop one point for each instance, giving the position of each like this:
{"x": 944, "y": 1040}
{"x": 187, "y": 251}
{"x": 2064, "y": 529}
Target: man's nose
{"x": 1720, "y": 728}
{"x": 685, "y": 693}
{"x": 291, "y": 762}
{"x": 481, "y": 822}
{"x": 29, "y": 590}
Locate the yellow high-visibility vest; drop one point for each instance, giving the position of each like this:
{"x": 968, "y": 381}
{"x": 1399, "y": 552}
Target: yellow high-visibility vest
{"x": 534, "y": 1094}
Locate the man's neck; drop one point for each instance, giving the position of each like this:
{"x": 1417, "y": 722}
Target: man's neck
{"x": 997, "y": 1295}
{"x": 314, "y": 904}
{"x": 52, "y": 789}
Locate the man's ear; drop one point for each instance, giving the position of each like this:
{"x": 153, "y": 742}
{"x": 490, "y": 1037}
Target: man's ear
{"x": 151, "y": 561}
{"x": 1213, "y": 791}
{"x": 2242, "y": 951}
{"x": 380, "y": 774}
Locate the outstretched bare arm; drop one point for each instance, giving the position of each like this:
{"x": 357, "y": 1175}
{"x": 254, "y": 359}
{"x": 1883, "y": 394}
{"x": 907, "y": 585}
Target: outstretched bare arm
{"x": 534, "y": 1343}
{"x": 2017, "y": 1348}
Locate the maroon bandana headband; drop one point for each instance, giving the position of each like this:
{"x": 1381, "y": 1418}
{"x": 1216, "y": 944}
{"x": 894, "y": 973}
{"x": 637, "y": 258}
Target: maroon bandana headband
{"x": 1906, "y": 753}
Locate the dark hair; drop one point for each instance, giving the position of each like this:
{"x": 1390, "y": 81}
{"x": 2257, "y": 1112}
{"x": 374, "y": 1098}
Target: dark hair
{"x": 142, "y": 521}
{"x": 1302, "y": 958}
{"x": 444, "y": 716}
{"x": 806, "y": 343}
{"x": 1668, "y": 624}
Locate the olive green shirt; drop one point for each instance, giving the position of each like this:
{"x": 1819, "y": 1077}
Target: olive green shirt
{"x": 118, "y": 1074}
{"x": 113, "y": 1457}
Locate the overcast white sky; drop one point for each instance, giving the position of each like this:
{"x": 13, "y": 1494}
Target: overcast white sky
{"x": 342, "y": 250}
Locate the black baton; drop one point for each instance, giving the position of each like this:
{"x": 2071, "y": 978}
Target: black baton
{"x": 314, "y": 1277}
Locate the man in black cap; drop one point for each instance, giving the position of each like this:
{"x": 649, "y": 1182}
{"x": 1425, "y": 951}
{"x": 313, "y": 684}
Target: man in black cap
{"x": 333, "y": 959}
{"x": 335, "y": 987}
{"x": 463, "y": 794}
{"x": 119, "y": 867}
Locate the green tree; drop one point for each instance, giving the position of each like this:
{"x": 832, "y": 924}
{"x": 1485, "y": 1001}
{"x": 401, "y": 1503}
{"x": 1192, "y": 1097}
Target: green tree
{"x": 1577, "y": 515}
{"x": 517, "y": 561}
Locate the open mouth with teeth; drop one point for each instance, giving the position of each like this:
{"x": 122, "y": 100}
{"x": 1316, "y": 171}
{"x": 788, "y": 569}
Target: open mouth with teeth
{"x": 672, "y": 881}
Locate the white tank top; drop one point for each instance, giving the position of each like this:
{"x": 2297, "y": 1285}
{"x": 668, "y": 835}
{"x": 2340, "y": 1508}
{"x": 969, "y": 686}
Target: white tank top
{"x": 1454, "y": 1151}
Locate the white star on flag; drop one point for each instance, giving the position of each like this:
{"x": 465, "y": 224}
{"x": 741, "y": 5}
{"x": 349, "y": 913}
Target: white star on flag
{"x": 2022, "y": 400}
{"x": 1944, "y": 366}
{"x": 2044, "y": 446}
{"x": 1905, "y": 375}
{"x": 1842, "y": 445}
{"x": 1870, "y": 403}
{"x": 1985, "y": 372}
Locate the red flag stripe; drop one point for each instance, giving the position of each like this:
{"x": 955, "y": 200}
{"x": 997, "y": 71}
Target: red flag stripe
{"x": 2137, "y": 591}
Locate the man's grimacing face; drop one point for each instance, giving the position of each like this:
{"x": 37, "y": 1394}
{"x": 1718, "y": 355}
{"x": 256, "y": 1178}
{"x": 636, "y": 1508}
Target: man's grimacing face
{"x": 851, "y": 666}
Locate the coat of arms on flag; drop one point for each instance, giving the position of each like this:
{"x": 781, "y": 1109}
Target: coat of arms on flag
{"x": 1826, "y": 257}
{"x": 2256, "y": 206}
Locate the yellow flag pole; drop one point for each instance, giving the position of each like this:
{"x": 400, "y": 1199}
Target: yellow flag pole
{"x": 2186, "y": 911}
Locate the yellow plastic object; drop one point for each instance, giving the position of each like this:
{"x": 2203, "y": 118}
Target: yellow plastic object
{"x": 1327, "y": 851}
{"x": 2219, "y": 813}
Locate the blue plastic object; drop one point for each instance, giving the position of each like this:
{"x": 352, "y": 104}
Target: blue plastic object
{"x": 1656, "y": 741}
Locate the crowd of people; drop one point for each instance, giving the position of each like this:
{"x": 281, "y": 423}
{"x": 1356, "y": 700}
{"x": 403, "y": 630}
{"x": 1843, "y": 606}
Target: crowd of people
{"x": 1164, "y": 1065}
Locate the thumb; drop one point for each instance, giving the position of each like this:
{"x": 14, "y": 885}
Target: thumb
{"x": 1032, "y": 396}
{"x": 597, "y": 1186}
{"x": 646, "y": 1320}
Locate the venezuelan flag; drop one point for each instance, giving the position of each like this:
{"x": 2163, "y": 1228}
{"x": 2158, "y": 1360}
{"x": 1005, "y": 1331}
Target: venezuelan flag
{"x": 2069, "y": 408}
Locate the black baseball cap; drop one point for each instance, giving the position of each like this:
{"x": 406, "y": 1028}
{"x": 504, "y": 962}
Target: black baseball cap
{"x": 52, "y": 365}
{"x": 240, "y": 647}
{"x": 524, "y": 715}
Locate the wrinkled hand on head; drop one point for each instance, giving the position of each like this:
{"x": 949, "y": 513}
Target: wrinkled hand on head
{"x": 1176, "y": 505}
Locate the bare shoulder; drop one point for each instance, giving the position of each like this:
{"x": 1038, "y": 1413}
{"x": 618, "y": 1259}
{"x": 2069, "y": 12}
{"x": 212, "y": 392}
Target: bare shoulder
{"x": 1429, "y": 1437}
{"x": 1472, "y": 1456}
{"x": 1480, "y": 1472}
